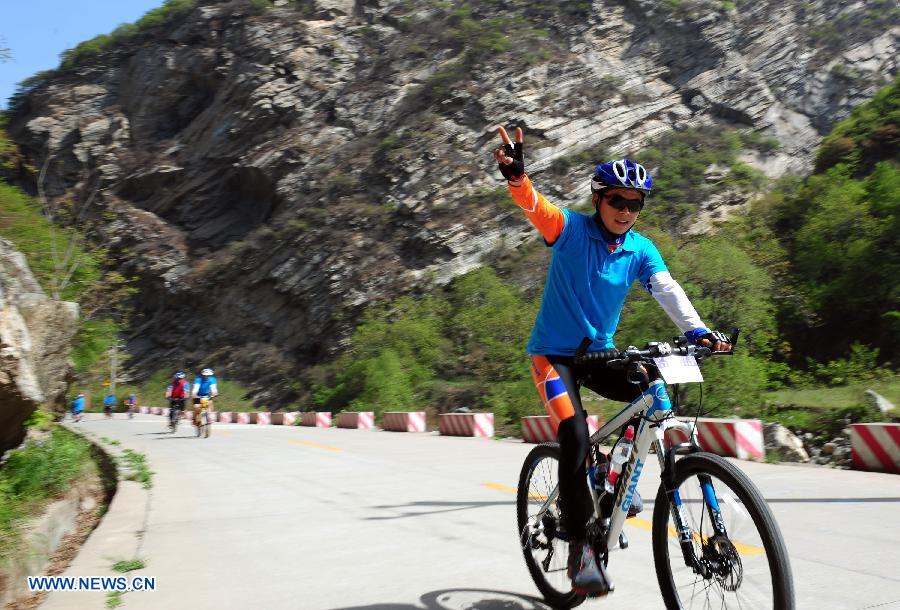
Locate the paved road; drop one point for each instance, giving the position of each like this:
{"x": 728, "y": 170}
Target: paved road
{"x": 291, "y": 517}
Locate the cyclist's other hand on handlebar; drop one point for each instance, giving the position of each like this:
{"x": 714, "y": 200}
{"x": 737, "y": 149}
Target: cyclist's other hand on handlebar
{"x": 510, "y": 156}
{"x": 716, "y": 341}
{"x": 712, "y": 339}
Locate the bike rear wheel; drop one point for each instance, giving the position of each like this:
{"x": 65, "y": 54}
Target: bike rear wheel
{"x": 747, "y": 568}
{"x": 545, "y": 554}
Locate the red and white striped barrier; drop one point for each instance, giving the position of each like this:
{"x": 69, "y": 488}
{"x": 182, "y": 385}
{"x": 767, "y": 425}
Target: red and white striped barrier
{"x": 358, "y": 420}
{"x": 144, "y": 410}
{"x": 875, "y": 447}
{"x": 466, "y": 424}
{"x": 213, "y": 416}
{"x": 243, "y": 417}
{"x": 226, "y": 417}
{"x": 539, "y": 428}
{"x": 263, "y": 418}
{"x": 319, "y": 419}
{"x": 740, "y": 438}
{"x": 164, "y": 412}
{"x": 155, "y": 411}
{"x": 403, "y": 421}
{"x": 289, "y": 419}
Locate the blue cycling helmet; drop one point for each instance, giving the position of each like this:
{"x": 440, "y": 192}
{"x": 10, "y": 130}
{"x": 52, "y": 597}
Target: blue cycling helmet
{"x": 179, "y": 375}
{"x": 624, "y": 173}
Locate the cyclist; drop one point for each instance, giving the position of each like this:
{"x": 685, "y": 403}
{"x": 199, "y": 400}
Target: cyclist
{"x": 78, "y": 407}
{"x": 594, "y": 262}
{"x": 109, "y": 404}
{"x": 176, "y": 392}
{"x": 204, "y": 387}
{"x": 131, "y": 404}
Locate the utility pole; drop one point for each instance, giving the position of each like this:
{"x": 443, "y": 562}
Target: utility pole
{"x": 113, "y": 360}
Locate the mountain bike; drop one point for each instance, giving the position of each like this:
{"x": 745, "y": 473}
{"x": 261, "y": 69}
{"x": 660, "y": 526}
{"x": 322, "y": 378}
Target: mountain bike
{"x": 715, "y": 541}
{"x": 176, "y": 406}
{"x": 202, "y": 424}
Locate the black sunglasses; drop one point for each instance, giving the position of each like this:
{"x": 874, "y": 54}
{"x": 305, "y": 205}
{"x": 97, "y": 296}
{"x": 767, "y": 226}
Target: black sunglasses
{"x": 620, "y": 203}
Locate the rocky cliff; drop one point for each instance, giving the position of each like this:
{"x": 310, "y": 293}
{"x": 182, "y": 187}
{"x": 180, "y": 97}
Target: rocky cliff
{"x": 35, "y": 337}
{"x": 268, "y": 172}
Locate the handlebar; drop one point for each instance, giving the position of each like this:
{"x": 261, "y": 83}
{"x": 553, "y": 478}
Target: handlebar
{"x": 619, "y": 359}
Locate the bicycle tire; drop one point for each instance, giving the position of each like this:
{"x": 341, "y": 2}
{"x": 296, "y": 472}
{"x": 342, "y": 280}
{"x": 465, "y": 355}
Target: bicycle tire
{"x": 749, "y": 502}
{"x": 555, "y": 597}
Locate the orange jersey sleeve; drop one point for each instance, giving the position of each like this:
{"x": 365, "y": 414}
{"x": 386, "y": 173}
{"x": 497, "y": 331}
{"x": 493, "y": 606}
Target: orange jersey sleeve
{"x": 548, "y": 218}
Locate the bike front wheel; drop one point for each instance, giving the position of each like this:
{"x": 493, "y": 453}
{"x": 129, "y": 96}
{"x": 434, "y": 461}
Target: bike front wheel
{"x": 744, "y": 565}
{"x": 546, "y": 554}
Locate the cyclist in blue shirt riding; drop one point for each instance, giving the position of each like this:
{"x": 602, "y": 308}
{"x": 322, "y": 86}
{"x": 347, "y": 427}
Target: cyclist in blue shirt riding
{"x": 204, "y": 387}
{"x": 595, "y": 261}
{"x": 109, "y": 403}
{"x": 78, "y": 407}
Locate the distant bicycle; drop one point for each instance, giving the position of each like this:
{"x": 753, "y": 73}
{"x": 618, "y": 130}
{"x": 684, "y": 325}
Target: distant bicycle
{"x": 176, "y": 406}
{"x": 715, "y": 541}
{"x": 201, "y": 418}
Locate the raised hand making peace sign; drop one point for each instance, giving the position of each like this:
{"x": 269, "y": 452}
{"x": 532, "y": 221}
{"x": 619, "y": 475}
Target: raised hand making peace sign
{"x": 511, "y": 156}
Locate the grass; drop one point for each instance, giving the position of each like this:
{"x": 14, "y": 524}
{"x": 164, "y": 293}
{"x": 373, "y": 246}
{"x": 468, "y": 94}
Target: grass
{"x": 34, "y": 474}
{"x": 151, "y": 392}
{"x": 837, "y": 397}
{"x": 114, "y": 599}
{"x": 140, "y": 472}
{"x": 127, "y": 565}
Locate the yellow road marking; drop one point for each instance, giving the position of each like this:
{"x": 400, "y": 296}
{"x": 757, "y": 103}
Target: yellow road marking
{"x": 500, "y": 487}
{"x": 316, "y": 445}
{"x": 644, "y": 524}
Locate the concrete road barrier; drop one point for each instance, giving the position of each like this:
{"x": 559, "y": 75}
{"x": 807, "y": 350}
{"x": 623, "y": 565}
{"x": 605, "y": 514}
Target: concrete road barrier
{"x": 144, "y": 410}
{"x": 403, "y": 421}
{"x": 242, "y": 418}
{"x": 358, "y": 420}
{"x": 740, "y": 438}
{"x": 876, "y": 447}
{"x": 226, "y": 417}
{"x": 539, "y": 428}
{"x": 319, "y": 419}
{"x": 263, "y": 418}
{"x": 466, "y": 424}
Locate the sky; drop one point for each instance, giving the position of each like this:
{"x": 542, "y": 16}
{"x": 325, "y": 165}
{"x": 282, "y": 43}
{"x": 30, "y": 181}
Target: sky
{"x": 37, "y": 31}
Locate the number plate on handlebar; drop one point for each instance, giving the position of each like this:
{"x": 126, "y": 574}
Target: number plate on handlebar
{"x": 679, "y": 369}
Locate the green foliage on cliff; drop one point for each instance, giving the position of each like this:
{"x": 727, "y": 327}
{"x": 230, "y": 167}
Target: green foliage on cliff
{"x": 82, "y": 279}
{"x": 38, "y": 471}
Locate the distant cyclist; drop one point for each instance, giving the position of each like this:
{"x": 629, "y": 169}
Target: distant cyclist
{"x": 131, "y": 405}
{"x": 78, "y": 407}
{"x": 177, "y": 392}
{"x": 109, "y": 403}
{"x": 595, "y": 261}
{"x": 204, "y": 387}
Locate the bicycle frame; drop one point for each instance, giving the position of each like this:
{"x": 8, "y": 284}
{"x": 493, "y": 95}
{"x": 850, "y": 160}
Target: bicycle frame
{"x": 655, "y": 410}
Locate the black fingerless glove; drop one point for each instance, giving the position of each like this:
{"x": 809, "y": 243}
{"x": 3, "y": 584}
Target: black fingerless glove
{"x": 516, "y": 169}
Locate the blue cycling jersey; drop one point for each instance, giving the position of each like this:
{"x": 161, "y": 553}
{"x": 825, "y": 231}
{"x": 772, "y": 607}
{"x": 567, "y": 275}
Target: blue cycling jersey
{"x": 202, "y": 386}
{"x": 587, "y": 285}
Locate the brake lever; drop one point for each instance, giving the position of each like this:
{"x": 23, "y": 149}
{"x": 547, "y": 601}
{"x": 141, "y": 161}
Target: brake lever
{"x": 617, "y": 364}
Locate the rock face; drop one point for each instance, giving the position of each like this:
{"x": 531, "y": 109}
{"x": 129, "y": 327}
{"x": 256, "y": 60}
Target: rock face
{"x": 266, "y": 174}
{"x": 35, "y": 336}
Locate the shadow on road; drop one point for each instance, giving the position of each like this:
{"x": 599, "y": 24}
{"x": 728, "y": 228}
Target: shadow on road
{"x": 464, "y": 599}
{"x": 447, "y": 507}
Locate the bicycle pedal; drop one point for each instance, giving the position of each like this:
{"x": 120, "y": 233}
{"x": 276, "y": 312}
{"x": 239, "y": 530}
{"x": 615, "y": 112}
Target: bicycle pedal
{"x": 623, "y": 541}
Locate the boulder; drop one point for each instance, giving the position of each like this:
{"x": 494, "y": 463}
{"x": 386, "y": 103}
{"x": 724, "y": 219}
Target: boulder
{"x": 884, "y": 405}
{"x": 36, "y": 333}
{"x": 784, "y": 443}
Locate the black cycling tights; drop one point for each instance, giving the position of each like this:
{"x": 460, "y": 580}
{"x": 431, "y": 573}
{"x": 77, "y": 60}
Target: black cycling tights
{"x": 573, "y": 433}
